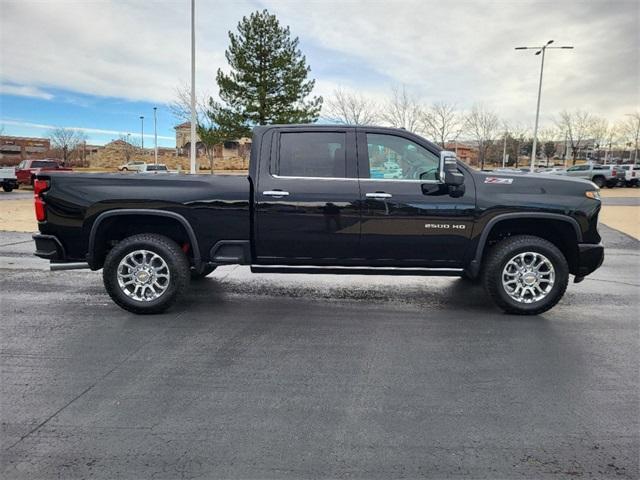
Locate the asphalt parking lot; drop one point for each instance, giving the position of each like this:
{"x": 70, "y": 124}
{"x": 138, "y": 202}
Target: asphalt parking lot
{"x": 266, "y": 376}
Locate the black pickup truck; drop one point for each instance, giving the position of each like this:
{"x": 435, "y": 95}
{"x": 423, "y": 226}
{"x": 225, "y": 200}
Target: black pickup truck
{"x": 325, "y": 199}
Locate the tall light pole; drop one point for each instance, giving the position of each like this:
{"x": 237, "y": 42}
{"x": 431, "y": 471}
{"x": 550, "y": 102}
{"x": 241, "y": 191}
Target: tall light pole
{"x": 504, "y": 148}
{"x": 155, "y": 133}
{"x": 535, "y": 129}
{"x": 142, "y": 133}
{"x": 193, "y": 87}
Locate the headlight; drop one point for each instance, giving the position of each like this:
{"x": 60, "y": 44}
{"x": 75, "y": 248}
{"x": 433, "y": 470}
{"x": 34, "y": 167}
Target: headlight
{"x": 593, "y": 194}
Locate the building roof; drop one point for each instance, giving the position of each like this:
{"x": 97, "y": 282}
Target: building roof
{"x": 183, "y": 125}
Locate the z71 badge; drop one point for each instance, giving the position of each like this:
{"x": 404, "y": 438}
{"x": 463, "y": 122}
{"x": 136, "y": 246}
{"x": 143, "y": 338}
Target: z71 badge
{"x": 507, "y": 181}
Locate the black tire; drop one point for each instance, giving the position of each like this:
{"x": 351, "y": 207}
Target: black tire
{"x": 599, "y": 181}
{"x": 168, "y": 250}
{"x": 7, "y": 188}
{"x": 508, "y": 248}
{"x": 195, "y": 276}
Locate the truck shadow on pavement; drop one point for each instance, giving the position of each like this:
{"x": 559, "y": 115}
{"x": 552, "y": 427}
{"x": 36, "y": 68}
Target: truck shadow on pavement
{"x": 406, "y": 293}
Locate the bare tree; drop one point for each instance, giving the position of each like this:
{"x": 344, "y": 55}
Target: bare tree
{"x": 351, "y": 108}
{"x": 629, "y": 130}
{"x": 599, "y": 131}
{"x": 403, "y": 110}
{"x": 442, "y": 122}
{"x": 66, "y": 140}
{"x": 576, "y": 126}
{"x": 482, "y": 125}
{"x": 516, "y": 134}
{"x": 180, "y": 107}
{"x": 547, "y": 138}
{"x": 130, "y": 146}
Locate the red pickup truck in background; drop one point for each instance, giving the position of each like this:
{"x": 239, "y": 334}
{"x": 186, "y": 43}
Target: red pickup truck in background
{"x": 28, "y": 169}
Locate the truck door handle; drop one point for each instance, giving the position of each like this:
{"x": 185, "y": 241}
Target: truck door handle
{"x": 275, "y": 193}
{"x": 378, "y": 195}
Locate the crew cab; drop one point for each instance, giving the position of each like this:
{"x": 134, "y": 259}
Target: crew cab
{"x": 28, "y": 169}
{"x": 325, "y": 199}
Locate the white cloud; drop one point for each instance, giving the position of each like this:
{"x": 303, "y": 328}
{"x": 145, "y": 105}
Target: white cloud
{"x": 88, "y": 130}
{"x": 455, "y": 51}
{"x": 24, "y": 91}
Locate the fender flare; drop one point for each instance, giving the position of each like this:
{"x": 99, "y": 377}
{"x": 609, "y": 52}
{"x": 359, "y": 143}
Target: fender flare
{"x": 197, "y": 259}
{"x": 474, "y": 266}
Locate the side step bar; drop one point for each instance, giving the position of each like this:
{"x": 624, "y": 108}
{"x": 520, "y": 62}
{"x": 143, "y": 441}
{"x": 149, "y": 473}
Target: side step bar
{"x": 445, "y": 272}
{"x": 54, "y": 267}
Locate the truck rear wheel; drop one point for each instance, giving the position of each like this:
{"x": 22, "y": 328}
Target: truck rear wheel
{"x": 7, "y": 188}
{"x": 145, "y": 273}
{"x": 525, "y": 275}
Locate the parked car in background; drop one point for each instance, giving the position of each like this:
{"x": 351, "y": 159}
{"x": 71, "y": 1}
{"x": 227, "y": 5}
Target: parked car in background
{"x": 8, "y": 178}
{"x": 28, "y": 169}
{"x": 631, "y": 174}
{"x": 153, "y": 168}
{"x": 601, "y": 175}
{"x": 132, "y": 166}
{"x": 507, "y": 170}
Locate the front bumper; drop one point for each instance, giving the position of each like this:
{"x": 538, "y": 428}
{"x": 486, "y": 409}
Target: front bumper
{"x": 590, "y": 257}
{"x": 49, "y": 247}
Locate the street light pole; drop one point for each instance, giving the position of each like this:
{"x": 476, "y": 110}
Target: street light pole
{"x": 193, "y": 87}
{"x": 155, "y": 133}
{"x": 504, "y": 148}
{"x": 535, "y": 129}
{"x": 142, "y": 133}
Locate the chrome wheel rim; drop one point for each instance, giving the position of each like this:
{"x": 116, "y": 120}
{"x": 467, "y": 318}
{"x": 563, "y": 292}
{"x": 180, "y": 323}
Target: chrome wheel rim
{"x": 528, "y": 277}
{"x": 143, "y": 275}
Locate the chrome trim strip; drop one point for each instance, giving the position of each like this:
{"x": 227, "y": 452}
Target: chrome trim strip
{"x": 378, "y": 195}
{"x": 363, "y": 179}
{"x": 275, "y": 193}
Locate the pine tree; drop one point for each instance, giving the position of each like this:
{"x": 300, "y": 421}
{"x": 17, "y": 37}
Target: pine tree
{"x": 268, "y": 81}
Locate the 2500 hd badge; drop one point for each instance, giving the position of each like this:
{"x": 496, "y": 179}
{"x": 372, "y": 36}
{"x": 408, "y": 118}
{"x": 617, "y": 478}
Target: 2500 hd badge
{"x": 446, "y": 226}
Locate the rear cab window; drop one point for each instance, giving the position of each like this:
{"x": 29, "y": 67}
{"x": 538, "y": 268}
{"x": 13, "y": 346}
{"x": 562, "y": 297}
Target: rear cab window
{"x": 311, "y": 155}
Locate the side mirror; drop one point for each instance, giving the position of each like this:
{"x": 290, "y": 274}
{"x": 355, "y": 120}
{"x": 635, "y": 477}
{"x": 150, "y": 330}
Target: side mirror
{"x": 449, "y": 174}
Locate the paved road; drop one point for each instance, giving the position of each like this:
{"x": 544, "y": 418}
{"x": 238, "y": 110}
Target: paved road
{"x": 317, "y": 377}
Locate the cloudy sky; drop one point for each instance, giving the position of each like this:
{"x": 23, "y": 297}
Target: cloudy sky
{"x": 98, "y": 65}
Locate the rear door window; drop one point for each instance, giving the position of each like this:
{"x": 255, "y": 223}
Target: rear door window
{"x": 312, "y": 154}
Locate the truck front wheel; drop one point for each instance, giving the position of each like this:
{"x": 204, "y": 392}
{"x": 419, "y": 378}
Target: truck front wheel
{"x": 7, "y": 188}
{"x": 525, "y": 275}
{"x": 146, "y": 273}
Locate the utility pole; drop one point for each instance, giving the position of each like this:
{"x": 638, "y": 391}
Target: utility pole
{"x": 504, "y": 149}
{"x": 142, "y": 133}
{"x": 535, "y": 129}
{"x": 155, "y": 133}
{"x": 193, "y": 87}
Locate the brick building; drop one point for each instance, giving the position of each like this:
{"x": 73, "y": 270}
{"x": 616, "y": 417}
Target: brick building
{"x": 464, "y": 151}
{"x": 233, "y": 148}
{"x": 15, "y": 149}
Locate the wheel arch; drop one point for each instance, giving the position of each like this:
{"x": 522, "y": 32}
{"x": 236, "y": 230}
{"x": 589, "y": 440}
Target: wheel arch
{"x": 561, "y": 230}
{"x": 118, "y": 222}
